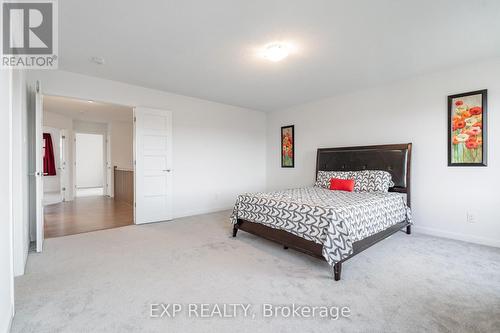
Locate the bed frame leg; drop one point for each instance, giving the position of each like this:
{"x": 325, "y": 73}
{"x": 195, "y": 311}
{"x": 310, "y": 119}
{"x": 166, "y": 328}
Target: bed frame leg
{"x": 337, "y": 270}
{"x": 235, "y": 230}
{"x": 408, "y": 229}
{"x": 285, "y": 247}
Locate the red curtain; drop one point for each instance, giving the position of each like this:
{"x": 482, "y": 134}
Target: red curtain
{"x": 49, "y": 165}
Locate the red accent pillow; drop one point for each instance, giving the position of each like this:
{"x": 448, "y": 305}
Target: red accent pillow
{"x": 342, "y": 184}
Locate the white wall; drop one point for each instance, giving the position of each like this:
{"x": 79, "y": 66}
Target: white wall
{"x": 218, "y": 149}
{"x": 122, "y": 149}
{"x": 55, "y": 120}
{"x": 415, "y": 111}
{"x": 89, "y": 160}
{"x": 122, "y": 144}
{"x": 82, "y": 126}
{"x": 6, "y": 234}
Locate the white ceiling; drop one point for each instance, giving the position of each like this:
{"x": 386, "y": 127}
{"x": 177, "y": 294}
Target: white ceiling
{"x": 83, "y": 110}
{"x": 207, "y": 49}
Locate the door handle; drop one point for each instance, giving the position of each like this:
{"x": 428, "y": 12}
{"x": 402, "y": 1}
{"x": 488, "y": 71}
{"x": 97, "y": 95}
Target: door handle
{"x": 167, "y": 170}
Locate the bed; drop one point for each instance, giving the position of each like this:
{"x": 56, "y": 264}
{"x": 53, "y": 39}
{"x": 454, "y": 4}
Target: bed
{"x": 333, "y": 225}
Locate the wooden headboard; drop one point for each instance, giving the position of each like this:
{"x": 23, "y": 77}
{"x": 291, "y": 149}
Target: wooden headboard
{"x": 396, "y": 159}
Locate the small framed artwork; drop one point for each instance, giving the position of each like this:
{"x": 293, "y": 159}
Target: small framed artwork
{"x": 287, "y": 147}
{"x": 467, "y": 129}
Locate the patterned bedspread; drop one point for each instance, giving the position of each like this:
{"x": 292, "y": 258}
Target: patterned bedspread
{"x": 334, "y": 219}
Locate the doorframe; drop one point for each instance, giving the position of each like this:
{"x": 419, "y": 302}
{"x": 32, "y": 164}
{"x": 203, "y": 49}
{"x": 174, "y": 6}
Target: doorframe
{"x": 71, "y": 136}
{"x": 110, "y": 192}
{"x": 63, "y": 160}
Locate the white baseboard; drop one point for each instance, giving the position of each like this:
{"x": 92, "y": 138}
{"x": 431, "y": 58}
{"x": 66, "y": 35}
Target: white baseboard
{"x": 416, "y": 228}
{"x": 457, "y": 236}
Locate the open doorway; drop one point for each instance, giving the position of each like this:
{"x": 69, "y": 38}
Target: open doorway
{"x": 88, "y": 162}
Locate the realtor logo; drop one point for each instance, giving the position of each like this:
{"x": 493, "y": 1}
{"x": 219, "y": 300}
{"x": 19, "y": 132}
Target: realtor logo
{"x": 29, "y": 34}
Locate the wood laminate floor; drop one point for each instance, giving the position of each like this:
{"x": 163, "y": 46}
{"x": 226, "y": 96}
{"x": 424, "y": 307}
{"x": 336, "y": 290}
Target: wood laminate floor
{"x": 86, "y": 214}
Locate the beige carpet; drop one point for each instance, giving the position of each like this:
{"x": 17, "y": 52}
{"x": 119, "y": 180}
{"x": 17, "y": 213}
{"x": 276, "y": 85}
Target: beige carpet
{"x": 105, "y": 281}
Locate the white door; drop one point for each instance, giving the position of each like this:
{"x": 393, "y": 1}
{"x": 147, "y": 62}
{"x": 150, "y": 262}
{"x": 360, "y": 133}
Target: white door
{"x": 153, "y": 165}
{"x": 39, "y": 168}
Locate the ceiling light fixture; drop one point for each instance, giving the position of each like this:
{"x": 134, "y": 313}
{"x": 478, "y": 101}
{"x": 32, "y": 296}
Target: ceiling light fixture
{"x": 276, "y": 51}
{"x": 90, "y": 101}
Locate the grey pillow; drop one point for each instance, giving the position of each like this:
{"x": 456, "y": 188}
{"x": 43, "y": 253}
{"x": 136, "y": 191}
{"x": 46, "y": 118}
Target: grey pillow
{"x": 364, "y": 181}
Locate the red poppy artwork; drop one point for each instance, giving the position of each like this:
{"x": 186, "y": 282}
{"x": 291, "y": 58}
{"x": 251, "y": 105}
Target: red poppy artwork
{"x": 467, "y": 129}
{"x": 287, "y": 147}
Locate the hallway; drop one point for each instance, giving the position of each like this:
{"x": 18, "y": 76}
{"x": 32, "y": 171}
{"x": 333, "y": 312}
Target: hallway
{"x": 86, "y": 214}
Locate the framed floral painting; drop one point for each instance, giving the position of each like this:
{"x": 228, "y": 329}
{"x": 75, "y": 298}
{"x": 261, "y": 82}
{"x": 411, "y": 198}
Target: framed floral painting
{"x": 467, "y": 129}
{"x": 287, "y": 147}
